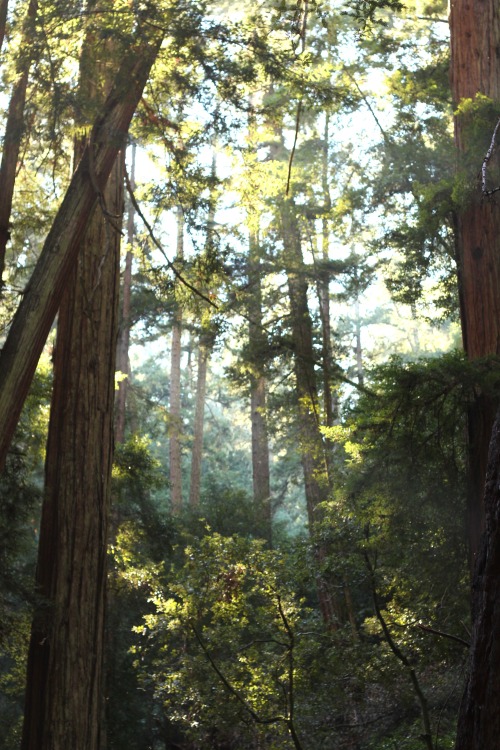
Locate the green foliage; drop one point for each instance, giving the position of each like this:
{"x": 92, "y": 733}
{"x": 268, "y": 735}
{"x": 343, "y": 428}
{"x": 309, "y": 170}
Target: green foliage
{"x": 476, "y": 119}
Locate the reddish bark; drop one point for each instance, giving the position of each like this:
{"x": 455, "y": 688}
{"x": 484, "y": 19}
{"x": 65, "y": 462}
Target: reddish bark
{"x": 65, "y": 666}
{"x": 475, "y": 69}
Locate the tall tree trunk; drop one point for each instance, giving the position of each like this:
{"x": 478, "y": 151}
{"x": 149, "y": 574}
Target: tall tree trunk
{"x": 122, "y": 351}
{"x": 323, "y": 286}
{"x": 475, "y": 69}
{"x": 37, "y": 310}
{"x": 479, "y": 718}
{"x": 14, "y": 128}
{"x": 204, "y": 351}
{"x": 310, "y": 439}
{"x": 360, "y": 373}
{"x": 175, "y": 424}
{"x": 4, "y": 6}
{"x": 311, "y": 442}
{"x": 258, "y": 395}
{"x": 65, "y": 667}
{"x": 64, "y": 697}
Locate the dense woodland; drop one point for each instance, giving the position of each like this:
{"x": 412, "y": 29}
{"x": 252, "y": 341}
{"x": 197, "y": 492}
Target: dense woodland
{"x": 249, "y": 375}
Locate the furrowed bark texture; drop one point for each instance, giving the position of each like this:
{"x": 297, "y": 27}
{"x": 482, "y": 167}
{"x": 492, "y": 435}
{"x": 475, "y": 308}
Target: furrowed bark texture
{"x": 475, "y": 69}
{"x": 41, "y": 299}
{"x": 479, "y": 718}
{"x": 65, "y": 666}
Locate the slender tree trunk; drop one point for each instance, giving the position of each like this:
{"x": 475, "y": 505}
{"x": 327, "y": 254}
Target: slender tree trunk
{"x": 323, "y": 286}
{"x": 4, "y": 6}
{"x": 360, "y": 374}
{"x": 204, "y": 351}
{"x": 37, "y": 310}
{"x": 122, "y": 352}
{"x": 475, "y": 69}
{"x": 310, "y": 439}
{"x": 14, "y": 128}
{"x": 175, "y": 425}
{"x": 258, "y": 395}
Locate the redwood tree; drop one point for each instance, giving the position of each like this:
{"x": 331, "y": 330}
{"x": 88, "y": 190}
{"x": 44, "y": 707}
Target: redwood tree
{"x": 475, "y": 77}
{"x": 475, "y": 73}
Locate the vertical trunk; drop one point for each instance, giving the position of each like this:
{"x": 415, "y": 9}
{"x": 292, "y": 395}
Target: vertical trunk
{"x": 65, "y": 676}
{"x": 37, "y": 310}
{"x": 359, "y": 349}
{"x": 475, "y": 69}
{"x": 175, "y": 424}
{"x": 14, "y": 127}
{"x": 122, "y": 357}
{"x": 310, "y": 440}
{"x": 204, "y": 351}
{"x": 4, "y": 6}
{"x": 323, "y": 286}
{"x": 65, "y": 667}
{"x": 258, "y": 406}
{"x": 479, "y": 718}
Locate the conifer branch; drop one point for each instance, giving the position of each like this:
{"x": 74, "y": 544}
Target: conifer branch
{"x": 158, "y": 244}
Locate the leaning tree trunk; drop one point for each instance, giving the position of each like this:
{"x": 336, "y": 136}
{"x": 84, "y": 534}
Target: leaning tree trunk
{"x": 37, "y": 310}
{"x": 475, "y": 69}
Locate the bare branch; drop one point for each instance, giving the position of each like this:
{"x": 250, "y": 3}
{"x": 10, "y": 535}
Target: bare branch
{"x": 487, "y": 158}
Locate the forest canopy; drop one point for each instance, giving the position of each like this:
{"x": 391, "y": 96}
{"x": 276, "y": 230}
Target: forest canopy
{"x": 249, "y": 375}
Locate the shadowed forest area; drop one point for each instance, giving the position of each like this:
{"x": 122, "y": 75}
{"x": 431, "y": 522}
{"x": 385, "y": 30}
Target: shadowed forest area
{"x": 249, "y": 375}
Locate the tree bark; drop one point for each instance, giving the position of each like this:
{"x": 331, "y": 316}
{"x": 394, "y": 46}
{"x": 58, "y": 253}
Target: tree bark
{"x": 4, "y": 6}
{"x": 479, "y": 718}
{"x": 204, "y": 351}
{"x": 65, "y": 668}
{"x": 14, "y": 128}
{"x": 310, "y": 439}
{"x": 258, "y": 396}
{"x": 475, "y": 69}
{"x": 175, "y": 424}
{"x": 122, "y": 350}
{"x": 64, "y": 696}
{"x": 37, "y": 310}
